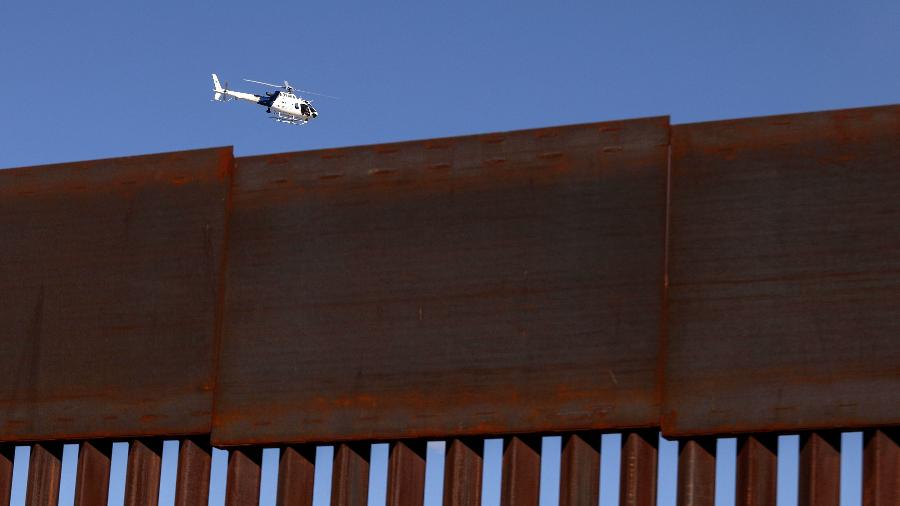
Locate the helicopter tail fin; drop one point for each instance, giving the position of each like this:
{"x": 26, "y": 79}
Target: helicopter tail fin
{"x": 220, "y": 95}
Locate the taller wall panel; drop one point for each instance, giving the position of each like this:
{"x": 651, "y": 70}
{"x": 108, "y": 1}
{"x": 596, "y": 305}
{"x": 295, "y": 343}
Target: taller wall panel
{"x": 784, "y": 295}
{"x": 498, "y": 283}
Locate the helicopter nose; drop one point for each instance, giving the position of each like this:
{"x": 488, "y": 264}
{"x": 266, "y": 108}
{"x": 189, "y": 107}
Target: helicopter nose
{"x": 315, "y": 114}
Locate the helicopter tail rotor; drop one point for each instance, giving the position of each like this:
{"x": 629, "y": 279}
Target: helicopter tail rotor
{"x": 220, "y": 95}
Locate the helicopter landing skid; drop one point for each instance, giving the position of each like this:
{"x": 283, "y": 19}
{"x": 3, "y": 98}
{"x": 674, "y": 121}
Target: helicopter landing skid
{"x": 287, "y": 118}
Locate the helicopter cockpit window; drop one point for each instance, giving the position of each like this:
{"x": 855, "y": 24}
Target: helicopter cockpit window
{"x": 296, "y": 106}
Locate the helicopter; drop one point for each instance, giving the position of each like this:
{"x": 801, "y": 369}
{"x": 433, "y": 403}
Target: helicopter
{"x": 283, "y": 105}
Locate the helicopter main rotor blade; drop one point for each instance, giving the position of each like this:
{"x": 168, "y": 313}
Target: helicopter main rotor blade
{"x": 319, "y": 94}
{"x": 267, "y": 84}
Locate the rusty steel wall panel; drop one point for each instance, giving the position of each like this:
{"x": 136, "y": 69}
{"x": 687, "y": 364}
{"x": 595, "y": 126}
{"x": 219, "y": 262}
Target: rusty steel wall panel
{"x": 881, "y": 467}
{"x": 7, "y": 458}
{"x": 296, "y": 476}
{"x": 92, "y": 474}
{"x": 109, "y": 274}
{"x": 500, "y": 283}
{"x": 350, "y": 474}
{"x": 44, "y": 470}
{"x": 192, "y": 478}
{"x": 696, "y": 472}
{"x": 406, "y": 473}
{"x": 520, "y": 477}
{"x": 784, "y": 273}
{"x": 757, "y": 470}
{"x": 637, "y": 469}
{"x": 143, "y": 472}
{"x": 463, "y": 469}
{"x": 579, "y": 473}
{"x": 820, "y": 469}
{"x": 244, "y": 477}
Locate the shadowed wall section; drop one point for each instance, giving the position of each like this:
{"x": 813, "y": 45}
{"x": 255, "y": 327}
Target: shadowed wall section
{"x": 109, "y": 282}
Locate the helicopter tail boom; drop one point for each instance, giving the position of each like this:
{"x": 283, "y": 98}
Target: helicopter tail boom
{"x": 223, "y": 94}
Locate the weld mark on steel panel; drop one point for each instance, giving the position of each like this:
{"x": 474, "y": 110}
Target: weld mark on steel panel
{"x": 329, "y": 156}
{"x": 332, "y": 176}
{"x": 179, "y": 180}
{"x": 612, "y": 149}
{"x": 609, "y": 128}
{"x": 612, "y": 376}
{"x": 439, "y": 166}
{"x": 493, "y": 162}
{"x": 783, "y": 122}
{"x": 384, "y": 150}
{"x": 545, "y": 134}
{"x": 381, "y": 172}
{"x": 550, "y": 155}
{"x": 493, "y": 139}
{"x": 279, "y": 181}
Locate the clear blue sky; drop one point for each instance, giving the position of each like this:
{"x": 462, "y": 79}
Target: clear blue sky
{"x": 81, "y": 80}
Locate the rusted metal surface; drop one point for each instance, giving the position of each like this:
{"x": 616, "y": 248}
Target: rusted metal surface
{"x": 637, "y": 472}
{"x": 244, "y": 475}
{"x": 881, "y": 467}
{"x": 296, "y": 474}
{"x": 503, "y": 272}
{"x": 697, "y": 472}
{"x": 820, "y": 469}
{"x": 520, "y": 481}
{"x": 757, "y": 470}
{"x": 142, "y": 472}
{"x": 7, "y": 458}
{"x": 92, "y": 475}
{"x": 44, "y": 468}
{"x": 406, "y": 473}
{"x": 463, "y": 463}
{"x": 109, "y": 275}
{"x": 487, "y": 285}
{"x": 784, "y": 273}
{"x": 192, "y": 479}
{"x": 350, "y": 474}
{"x": 579, "y": 476}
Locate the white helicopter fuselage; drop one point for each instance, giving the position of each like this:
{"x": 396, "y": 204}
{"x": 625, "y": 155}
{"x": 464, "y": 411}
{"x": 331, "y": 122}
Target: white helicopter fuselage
{"x": 283, "y": 105}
